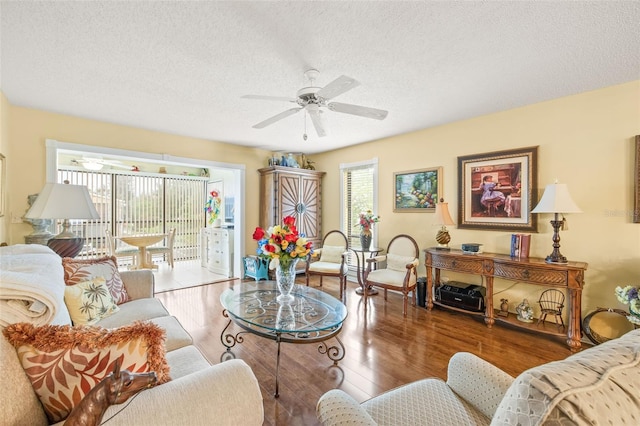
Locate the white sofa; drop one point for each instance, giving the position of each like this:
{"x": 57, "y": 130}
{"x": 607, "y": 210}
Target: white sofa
{"x": 198, "y": 394}
{"x": 598, "y": 386}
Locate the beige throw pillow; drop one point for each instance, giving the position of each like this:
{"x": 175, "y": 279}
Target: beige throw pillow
{"x": 89, "y": 301}
{"x": 398, "y": 263}
{"x": 332, "y": 254}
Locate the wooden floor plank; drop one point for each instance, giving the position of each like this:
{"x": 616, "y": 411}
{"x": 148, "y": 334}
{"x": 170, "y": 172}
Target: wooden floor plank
{"x": 383, "y": 349}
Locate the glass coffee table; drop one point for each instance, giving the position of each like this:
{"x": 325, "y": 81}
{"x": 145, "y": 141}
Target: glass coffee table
{"x": 312, "y": 317}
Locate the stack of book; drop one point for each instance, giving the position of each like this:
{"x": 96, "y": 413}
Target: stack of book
{"x": 520, "y": 245}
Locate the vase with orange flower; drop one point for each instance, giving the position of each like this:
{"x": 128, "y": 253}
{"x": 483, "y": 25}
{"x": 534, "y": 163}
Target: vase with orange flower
{"x": 283, "y": 246}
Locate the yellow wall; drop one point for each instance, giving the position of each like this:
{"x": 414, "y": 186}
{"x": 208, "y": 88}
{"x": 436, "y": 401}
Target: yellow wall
{"x": 4, "y": 150}
{"x": 585, "y": 141}
{"x": 30, "y": 128}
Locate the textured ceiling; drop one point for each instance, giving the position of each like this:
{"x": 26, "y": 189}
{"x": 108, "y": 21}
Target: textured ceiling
{"x": 181, "y": 67}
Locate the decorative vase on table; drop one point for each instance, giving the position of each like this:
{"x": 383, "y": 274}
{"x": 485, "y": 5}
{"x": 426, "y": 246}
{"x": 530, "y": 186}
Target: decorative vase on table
{"x": 283, "y": 246}
{"x": 285, "y": 279}
{"x": 366, "y": 220}
{"x": 365, "y": 239}
{"x": 630, "y": 295}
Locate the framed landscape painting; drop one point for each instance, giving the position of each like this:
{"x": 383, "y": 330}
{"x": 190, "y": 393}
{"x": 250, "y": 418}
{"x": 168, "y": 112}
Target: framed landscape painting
{"x": 417, "y": 190}
{"x": 497, "y": 190}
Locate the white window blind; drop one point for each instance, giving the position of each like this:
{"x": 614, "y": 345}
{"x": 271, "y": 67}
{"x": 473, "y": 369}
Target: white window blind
{"x": 138, "y": 204}
{"x": 360, "y": 193}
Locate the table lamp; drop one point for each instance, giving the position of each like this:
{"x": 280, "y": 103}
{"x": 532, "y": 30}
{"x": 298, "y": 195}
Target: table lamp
{"x": 64, "y": 201}
{"x": 443, "y": 218}
{"x": 556, "y": 200}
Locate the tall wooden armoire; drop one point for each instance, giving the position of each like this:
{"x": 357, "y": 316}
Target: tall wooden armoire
{"x": 289, "y": 191}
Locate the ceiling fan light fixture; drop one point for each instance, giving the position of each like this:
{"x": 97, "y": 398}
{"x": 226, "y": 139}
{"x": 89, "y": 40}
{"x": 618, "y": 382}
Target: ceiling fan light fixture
{"x": 312, "y": 99}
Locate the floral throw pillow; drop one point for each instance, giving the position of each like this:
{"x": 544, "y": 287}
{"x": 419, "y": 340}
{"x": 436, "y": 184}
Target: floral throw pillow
{"x": 65, "y": 362}
{"x": 77, "y": 271}
{"x": 89, "y": 301}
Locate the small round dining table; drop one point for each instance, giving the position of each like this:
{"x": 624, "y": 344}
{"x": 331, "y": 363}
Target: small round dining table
{"x": 142, "y": 242}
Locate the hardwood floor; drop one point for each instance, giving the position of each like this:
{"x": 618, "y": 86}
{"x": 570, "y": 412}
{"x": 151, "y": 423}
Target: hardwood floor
{"x": 383, "y": 349}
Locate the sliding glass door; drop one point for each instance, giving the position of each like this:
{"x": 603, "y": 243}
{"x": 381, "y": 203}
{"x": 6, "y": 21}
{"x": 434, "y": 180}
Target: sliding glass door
{"x": 135, "y": 203}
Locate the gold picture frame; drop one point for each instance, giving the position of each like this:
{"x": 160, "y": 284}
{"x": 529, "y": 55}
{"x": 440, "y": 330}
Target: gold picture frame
{"x": 497, "y": 190}
{"x": 417, "y": 190}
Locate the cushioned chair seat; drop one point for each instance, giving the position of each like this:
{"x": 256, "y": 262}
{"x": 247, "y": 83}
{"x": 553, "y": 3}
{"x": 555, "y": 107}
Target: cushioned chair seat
{"x": 325, "y": 267}
{"x": 176, "y": 336}
{"x": 142, "y": 309}
{"x": 388, "y": 277}
{"x": 185, "y": 361}
{"x": 405, "y": 406}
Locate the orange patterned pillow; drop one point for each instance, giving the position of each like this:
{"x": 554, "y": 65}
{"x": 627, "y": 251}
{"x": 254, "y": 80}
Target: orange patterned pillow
{"x": 65, "y": 362}
{"x": 77, "y": 271}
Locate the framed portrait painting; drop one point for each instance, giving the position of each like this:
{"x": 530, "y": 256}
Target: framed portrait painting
{"x": 497, "y": 190}
{"x": 417, "y": 190}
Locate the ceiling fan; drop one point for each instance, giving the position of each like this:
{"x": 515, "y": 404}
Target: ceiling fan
{"x": 314, "y": 99}
{"x": 98, "y": 163}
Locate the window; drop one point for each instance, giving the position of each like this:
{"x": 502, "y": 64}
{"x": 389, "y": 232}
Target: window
{"x": 359, "y": 189}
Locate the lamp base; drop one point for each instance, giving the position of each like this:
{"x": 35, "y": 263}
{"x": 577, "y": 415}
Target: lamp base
{"x": 66, "y": 247}
{"x": 443, "y": 238}
{"x": 560, "y": 259}
{"x": 556, "y": 256}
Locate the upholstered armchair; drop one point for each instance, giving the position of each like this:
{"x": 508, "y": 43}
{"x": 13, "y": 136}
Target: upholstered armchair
{"x": 596, "y": 386}
{"x": 395, "y": 270}
{"x": 332, "y": 259}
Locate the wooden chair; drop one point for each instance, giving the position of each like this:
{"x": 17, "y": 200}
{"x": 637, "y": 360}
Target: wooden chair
{"x": 164, "y": 250}
{"x": 123, "y": 252}
{"x": 399, "y": 274}
{"x": 332, "y": 260}
{"x": 551, "y": 302}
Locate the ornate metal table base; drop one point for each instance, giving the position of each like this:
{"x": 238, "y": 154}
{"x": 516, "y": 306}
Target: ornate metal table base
{"x": 335, "y": 353}
{"x": 360, "y": 271}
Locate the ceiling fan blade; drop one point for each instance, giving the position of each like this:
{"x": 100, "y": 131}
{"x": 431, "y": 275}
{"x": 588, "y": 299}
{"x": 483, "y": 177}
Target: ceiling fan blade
{"x": 337, "y": 87}
{"x": 362, "y": 111}
{"x": 317, "y": 120}
{"x": 269, "y": 98}
{"x": 277, "y": 117}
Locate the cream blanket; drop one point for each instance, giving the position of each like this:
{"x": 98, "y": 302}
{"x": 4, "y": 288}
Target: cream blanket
{"x": 31, "y": 286}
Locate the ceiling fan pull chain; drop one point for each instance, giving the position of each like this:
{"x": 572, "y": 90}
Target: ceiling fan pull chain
{"x": 304, "y": 135}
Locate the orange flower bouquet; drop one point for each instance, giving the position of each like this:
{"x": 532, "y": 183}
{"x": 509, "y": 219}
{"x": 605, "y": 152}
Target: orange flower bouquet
{"x": 282, "y": 244}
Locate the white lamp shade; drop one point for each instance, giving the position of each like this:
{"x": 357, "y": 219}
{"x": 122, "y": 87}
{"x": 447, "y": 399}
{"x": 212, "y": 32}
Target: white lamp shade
{"x": 556, "y": 199}
{"x": 63, "y": 201}
{"x": 442, "y": 216}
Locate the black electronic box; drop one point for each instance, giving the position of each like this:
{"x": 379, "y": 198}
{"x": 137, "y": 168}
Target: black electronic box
{"x": 462, "y": 295}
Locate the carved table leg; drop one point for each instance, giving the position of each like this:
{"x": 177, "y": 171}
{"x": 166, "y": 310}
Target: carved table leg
{"x": 488, "y": 318}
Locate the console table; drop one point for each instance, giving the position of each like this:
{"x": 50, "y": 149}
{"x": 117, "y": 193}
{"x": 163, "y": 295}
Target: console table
{"x": 530, "y": 270}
